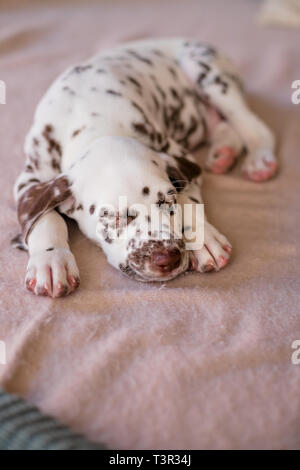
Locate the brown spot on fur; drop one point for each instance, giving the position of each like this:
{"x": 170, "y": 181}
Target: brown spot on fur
{"x": 81, "y": 68}
{"x": 139, "y": 127}
{"x": 77, "y": 131}
{"x": 113, "y": 92}
{"x": 134, "y": 81}
{"x": 53, "y": 145}
{"x": 55, "y": 164}
{"x": 34, "y": 161}
{"x": 33, "y": 180}
{"x": 146, "y": 190}
{"x": 165, "y": 147}
{"x": 21, "y": 186}
{"x": 139, "y": 57}
{"x": 92, "y": 209}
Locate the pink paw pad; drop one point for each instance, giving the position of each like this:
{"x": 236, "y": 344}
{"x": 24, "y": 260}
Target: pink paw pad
{"x": 224, "y": 158}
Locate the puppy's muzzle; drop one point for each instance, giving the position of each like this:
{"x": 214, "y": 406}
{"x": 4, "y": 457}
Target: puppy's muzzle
{"x": 166, "y": 260}
{"x": 158, "y": 261}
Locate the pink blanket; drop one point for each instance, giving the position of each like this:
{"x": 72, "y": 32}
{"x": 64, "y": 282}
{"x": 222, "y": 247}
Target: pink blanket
{"x": 204, "y": 361}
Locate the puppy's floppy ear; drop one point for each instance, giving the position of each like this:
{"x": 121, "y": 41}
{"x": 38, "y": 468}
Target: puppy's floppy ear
{"x": 40, "y": 198}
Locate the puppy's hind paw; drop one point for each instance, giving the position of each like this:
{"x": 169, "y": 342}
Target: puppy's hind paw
{"x": 260, "y": 166}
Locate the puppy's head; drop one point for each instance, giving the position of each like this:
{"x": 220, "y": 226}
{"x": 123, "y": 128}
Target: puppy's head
{"x": 129, "y": 207}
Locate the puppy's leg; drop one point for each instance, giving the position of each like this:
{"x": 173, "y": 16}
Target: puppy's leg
{"x": 215, "y": 80}
{"x": 41, "y": 187}
{"x": 225, "y": 143}
{"x": 216, "y": 250}
{"x": 51, "y": 268}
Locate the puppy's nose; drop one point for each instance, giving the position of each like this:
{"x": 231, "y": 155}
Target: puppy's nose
{"x": 166, "y": 259}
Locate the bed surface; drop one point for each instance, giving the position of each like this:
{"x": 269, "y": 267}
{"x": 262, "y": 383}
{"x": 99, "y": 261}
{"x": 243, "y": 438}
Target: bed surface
{"x": 205, "y": 360}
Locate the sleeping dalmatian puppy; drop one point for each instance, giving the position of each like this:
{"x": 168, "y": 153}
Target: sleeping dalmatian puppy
{"x": 124, "y": 124}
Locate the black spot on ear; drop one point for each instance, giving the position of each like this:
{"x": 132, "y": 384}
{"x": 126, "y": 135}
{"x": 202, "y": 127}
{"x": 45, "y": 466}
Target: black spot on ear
{"x": 176, "y": 178}
{"x": 189, "y": 169}
{"x": 146, "y": 190}
{"x": 92, "y": 209}
{"x": 50, "y": 249}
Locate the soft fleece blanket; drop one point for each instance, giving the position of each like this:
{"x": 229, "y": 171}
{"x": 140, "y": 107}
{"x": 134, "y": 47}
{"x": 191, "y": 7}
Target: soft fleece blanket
{"x": 206, "y": 360}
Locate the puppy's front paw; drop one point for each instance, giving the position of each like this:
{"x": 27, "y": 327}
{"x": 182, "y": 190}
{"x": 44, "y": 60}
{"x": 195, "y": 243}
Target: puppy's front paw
{"x": 215, "y": 253}
{"x": 52, "y": 272}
